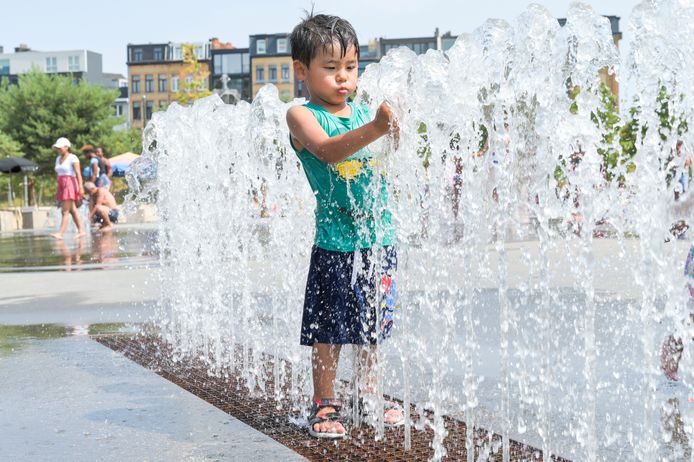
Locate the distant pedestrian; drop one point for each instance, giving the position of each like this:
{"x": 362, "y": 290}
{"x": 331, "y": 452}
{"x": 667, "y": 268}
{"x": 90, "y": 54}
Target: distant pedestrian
{"x": 70, "y": 191}
{"x": 104, "y": 180}
{"x": 98, "y": 170}
{"x": 679, "y": 166}
{"x": 91, "y": 170}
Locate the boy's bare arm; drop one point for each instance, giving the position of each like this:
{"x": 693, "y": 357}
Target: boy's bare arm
{"x": 307, "y": 131}
{"x": 92, "y": 207}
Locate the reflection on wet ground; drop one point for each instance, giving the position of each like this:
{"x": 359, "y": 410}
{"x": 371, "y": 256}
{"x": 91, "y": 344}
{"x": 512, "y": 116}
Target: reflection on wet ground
{"x": 125, "y": 246}
{"x": 13, "y": 337}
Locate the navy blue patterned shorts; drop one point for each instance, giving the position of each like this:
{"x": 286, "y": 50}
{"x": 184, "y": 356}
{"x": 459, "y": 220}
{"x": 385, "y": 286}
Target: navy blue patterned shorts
{"x": 348, "y": 305}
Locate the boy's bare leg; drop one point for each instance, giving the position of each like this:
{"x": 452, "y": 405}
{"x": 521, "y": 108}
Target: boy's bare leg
{"x": 102, "y": 211}
{"x": 367, "y": 370}
{"x": 324, "y": 359}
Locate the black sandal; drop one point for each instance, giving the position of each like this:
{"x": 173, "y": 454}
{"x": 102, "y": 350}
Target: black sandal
{"x": 317, "y": 417}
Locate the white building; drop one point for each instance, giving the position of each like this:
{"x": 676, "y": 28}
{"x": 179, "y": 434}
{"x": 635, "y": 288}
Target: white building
{"x": 120, "y": 106}
{"x": 82, "y": 64}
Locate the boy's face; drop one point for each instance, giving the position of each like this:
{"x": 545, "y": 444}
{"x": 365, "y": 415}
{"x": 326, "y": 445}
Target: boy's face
{"x": 330, "y": 78}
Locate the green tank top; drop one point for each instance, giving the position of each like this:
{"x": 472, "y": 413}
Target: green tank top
{"x": 351, "y": 205}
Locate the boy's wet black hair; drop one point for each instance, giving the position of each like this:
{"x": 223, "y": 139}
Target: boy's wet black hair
{"x": 321, "y": 32}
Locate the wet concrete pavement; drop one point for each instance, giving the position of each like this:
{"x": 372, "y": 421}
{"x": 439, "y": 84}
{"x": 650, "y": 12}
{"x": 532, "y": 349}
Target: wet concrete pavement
{"x": 71, "y": 398}
{"x": 65, "y": 397}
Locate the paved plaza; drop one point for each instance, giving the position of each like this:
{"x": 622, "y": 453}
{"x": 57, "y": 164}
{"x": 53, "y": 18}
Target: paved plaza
{"x": 65, "y": 397}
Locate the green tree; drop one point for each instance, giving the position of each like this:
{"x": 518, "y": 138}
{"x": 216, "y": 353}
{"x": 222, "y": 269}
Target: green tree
{"x": 9, "y": 147}
{"x": 193, "y": 77}
{"x": 670, "y": 124}
{"x": 118, "y": 142}
{"x": 615, "y": 136}
{"x": 629, "y": 134}
{"x": 41, "y": 108}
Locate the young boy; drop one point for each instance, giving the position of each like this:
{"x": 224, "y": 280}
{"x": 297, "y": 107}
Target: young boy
{"x": 354, "y": 234}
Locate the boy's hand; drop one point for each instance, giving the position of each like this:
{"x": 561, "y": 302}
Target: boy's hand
{"x": 385, "y": 120}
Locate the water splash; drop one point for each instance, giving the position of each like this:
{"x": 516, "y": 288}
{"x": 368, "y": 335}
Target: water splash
{"x": 534, "y": 284}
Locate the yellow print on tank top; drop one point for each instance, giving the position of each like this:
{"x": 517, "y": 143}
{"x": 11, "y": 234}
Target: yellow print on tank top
{"x": 351, "y": 169}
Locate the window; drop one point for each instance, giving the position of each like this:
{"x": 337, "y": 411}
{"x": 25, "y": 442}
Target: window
{"x": 162, "y": 105}
{"x": 282, "y": 45}
{"x": 136, "y": 110}
{"x": 4, "y": 67}
{"x": 232, "y": 63}
{"x": 285, "y": 72}
{"x": 174, "y": 83}
{"x": 51, "y": 64}
{"x": 149, "y": 83}
{"x": 73, "y": 63}
{"x": 162, "y": 83}
{"x": 260, "y": 47}
{"x": 177, "y": 53}
{"x": 259, "y": 74}
{"x": 158, "y": 54}
{"x": 149, "y": 107}
{"x": 272, "y": 73}
{"x": 217, "y": 64}
{"x": 135, "y": 84}
{"x": 137, "y": 54}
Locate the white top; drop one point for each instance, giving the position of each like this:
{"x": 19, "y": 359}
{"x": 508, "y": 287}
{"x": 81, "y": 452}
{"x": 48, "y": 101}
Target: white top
{"x": 65, "y": 168}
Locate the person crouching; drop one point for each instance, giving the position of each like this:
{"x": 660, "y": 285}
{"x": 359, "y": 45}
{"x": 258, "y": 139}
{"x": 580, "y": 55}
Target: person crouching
{"x": 103, "y": 209}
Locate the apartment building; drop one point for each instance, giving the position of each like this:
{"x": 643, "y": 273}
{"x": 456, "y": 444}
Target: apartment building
{"x": 120, "y": 105}
{"x": 154, "y": 76}
{"x": 81, "y": 64}
{"x": 230, "y": 71}
{"x": 271, "y": 62}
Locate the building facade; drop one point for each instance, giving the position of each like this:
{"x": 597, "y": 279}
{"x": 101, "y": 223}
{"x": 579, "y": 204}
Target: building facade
{"x": 369, "y": 54}
{"x": 379, "y": 47}
{"x": 231, "y": 69}
{"x": 154, "y": 76}
{"x": 419, "y": 45}
{"x": 121, "y": 105}
{"x": 80, "y": 64}
{"x": 271, "y": 62}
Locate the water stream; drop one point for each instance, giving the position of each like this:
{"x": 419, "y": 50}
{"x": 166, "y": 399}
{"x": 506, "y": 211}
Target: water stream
{"x": 534, "y": 306}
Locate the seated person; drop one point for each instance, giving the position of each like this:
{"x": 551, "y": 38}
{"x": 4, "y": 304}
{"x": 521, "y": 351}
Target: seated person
{"x": 102, "y": 206}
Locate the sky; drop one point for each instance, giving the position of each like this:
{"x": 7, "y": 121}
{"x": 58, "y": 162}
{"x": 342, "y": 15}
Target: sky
{"x": 107, "y": 27}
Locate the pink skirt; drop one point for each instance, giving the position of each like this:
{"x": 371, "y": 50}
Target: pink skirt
{"x": 68, "y": 189}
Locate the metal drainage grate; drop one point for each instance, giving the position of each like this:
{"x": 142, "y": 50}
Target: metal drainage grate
{"x": 270, "y": 416}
